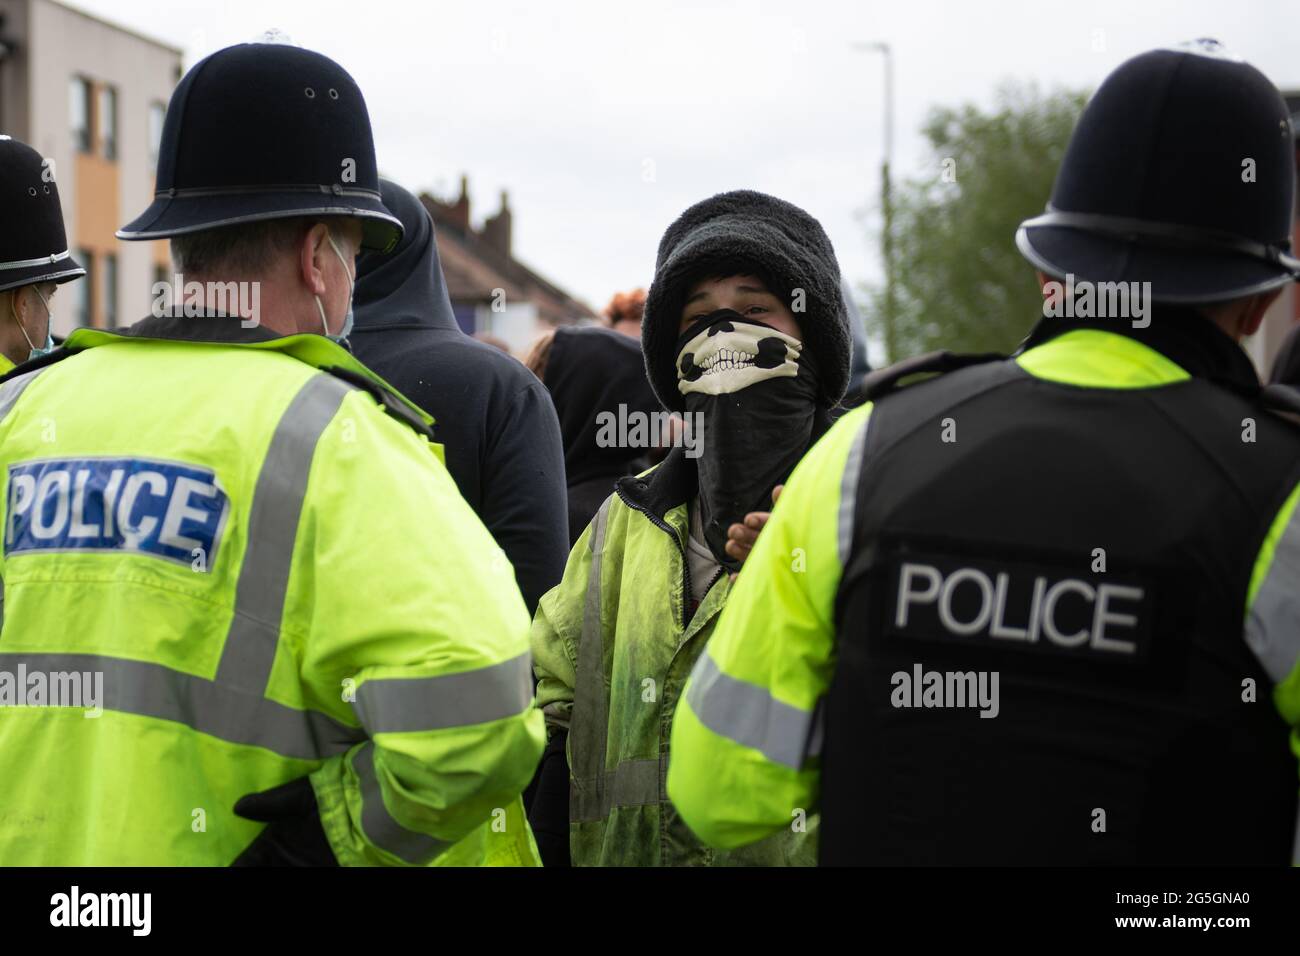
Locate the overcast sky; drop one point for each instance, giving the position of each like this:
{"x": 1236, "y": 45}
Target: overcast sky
{"x": 604, "y": 120}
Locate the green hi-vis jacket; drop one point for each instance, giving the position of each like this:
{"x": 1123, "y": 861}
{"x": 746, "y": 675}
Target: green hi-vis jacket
{"x": 751, "y": 703}
{"x": 225, "y": 569}
{"x": 613, "y": 644}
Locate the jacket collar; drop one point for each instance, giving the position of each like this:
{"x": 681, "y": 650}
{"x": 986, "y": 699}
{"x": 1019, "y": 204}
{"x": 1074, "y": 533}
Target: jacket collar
{"x": 674, "y": 482}
{"x": 1181, "y": 334}
{"x": 214, "y": 328}
{"x": 307, "y": 347}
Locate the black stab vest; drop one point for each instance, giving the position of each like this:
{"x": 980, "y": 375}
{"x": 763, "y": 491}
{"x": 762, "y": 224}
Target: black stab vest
{"x": 1119, "y": 691}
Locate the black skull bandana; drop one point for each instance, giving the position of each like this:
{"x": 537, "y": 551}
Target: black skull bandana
{"x": 750, "y": 394}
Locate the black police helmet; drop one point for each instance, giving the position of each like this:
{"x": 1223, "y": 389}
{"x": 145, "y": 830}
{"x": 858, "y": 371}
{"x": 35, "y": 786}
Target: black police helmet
{"x": 33, "y": 245}
{"x": 1181, "y": 173}
{"x": 265, "y": 131}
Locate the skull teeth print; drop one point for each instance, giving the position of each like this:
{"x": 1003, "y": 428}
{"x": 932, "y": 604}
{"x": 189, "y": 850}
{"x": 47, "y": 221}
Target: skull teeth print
{"x": 726, "y": 359}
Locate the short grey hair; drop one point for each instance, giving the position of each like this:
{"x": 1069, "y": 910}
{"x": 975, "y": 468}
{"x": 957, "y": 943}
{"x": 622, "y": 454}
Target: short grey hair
{"x": 239, "y": 249}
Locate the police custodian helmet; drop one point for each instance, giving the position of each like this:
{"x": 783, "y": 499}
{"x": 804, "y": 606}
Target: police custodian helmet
{"x": 1181, "y": 173}
{"x": 33, "y": 245}
{"x": 265, "y": 131}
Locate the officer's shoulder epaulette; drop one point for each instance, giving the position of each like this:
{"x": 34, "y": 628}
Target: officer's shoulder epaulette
{"x": 882, "y": 381}
{"x": 387, "y": 398}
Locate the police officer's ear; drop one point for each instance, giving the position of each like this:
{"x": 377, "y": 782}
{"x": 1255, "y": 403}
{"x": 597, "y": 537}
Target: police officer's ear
{"x": 20, "y": 303}
{"x": 27, "y": 303}
{"x": 313, "y": 253}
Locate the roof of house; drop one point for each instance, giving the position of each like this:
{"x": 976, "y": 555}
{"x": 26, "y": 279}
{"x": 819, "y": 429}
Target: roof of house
{"x": 153, "y": 41}
{"x": 475, "y": 264}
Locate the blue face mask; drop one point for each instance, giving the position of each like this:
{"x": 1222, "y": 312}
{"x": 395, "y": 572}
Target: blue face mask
{"x": 347, "y": 319}
{"x": 48, "y": 347}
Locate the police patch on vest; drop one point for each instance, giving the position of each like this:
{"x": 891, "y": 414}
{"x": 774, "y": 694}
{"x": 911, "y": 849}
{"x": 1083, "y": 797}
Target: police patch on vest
{"x": 165, "y": 509}
{"x": 1009, "y": 604}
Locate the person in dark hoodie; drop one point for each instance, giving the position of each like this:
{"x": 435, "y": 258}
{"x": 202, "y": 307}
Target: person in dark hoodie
{"x": 596, "y": 377}
{"x": 494, "y": 419}
{"x": 745, "y": 333}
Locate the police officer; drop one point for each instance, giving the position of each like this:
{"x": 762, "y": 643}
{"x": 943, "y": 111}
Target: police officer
{"x": 1047, "y": 609}
{"x": 34, "y": 258}
{"x": 236, "y": 548}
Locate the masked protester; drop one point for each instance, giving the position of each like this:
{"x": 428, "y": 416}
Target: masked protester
{"x": 34, "y": 258}
{"x": 744, "y": 334}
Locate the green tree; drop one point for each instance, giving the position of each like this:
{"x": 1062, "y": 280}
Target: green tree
{"x": 959, "y": 282}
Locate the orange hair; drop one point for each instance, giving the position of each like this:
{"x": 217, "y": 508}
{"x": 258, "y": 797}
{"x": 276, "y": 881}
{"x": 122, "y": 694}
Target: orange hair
{"x": 626, "y": 307}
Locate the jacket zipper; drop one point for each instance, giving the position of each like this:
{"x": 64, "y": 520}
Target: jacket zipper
{"x": 712, "y": 581}
{"x": 668, "y": 530}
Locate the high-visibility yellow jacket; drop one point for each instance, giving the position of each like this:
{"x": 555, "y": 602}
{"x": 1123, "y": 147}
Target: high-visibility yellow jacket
{"x": 251, "y": 574}
{"x": 614, "y": 642}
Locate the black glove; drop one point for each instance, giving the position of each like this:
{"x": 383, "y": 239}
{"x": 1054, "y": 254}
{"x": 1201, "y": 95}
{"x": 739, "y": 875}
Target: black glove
{"x": 293, "y": 835}
{"x": 548, "y": 814}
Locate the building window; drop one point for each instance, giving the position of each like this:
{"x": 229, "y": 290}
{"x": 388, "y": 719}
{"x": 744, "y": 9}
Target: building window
{"x": 108, "y": 120}
{"x": 110, "y": 291}
{"x": 79, "y": 104}
{"x": 157, "y": 113}
{"x": 85, "y": 289}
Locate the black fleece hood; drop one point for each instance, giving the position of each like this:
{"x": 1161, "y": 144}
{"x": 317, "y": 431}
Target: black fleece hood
{"x": 404, "y": 288}
{"x": 783, "y": 245}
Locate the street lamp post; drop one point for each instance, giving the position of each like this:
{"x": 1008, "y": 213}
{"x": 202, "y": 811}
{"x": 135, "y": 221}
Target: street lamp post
{"x": 886, "y": 200}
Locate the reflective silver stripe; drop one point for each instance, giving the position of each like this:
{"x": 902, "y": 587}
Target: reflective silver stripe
{"x": 43, "y": 260}
{"x": 633, "y": 783}
{"x": 849, "y": 491}
{"x": 399, "y": 705}
{"x": 588, "y": 725}
{"x": 378, "y": 824}
{"x": 10, "y": 392}
{"x": 249, "y": 650}
{"x": 13, "y": 389}
{"x": 152, "y": 690}
{"x": 749, "y": 715}
{"x": 1273, "y": 624}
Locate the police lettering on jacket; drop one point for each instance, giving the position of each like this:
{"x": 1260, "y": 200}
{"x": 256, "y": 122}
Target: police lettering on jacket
{"x": 164, "y": 509}
{"x": 1034, "y": 606}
